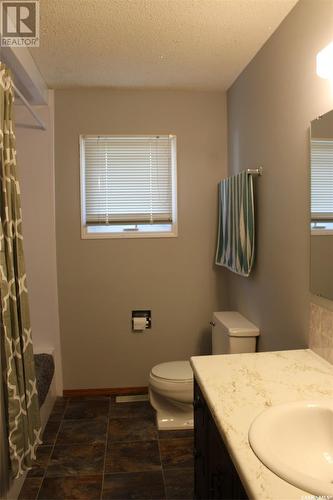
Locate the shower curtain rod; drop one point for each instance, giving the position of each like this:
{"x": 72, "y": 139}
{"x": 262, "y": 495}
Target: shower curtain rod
{"x": 41, "y": 124}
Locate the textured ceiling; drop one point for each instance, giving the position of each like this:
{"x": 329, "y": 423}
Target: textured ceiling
{"x": 194, "y": 44}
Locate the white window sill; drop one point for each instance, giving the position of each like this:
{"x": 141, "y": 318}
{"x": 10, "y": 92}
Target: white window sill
{"x": 321, "y": 228}
{"x": 118, "y": 231}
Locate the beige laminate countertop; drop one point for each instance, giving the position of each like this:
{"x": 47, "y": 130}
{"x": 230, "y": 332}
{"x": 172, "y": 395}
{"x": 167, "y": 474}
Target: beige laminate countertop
{"x": 237, "y": 387}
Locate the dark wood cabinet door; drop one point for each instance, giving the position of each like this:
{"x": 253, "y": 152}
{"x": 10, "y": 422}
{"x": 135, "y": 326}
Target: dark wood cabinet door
{"x": 215, "y": 474}
{"x": 200, "y": 445}
{"x": 220, "y": 480}
{"x": 224, "y": 482}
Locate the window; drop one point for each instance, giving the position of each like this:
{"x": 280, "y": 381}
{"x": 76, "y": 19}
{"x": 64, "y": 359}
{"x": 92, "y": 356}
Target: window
{"x": 321, "y": 185}
{"x": 128, "y": 186}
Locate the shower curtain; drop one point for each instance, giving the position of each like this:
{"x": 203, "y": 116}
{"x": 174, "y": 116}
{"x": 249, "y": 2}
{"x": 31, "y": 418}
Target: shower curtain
{"x": 21, "y": 409}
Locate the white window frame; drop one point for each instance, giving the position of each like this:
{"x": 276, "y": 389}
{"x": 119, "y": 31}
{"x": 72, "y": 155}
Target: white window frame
{"x": 144, "y": 230}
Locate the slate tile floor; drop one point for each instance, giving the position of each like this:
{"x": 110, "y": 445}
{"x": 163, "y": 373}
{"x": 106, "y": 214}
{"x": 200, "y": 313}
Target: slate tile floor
{"x": 95, "y": 448}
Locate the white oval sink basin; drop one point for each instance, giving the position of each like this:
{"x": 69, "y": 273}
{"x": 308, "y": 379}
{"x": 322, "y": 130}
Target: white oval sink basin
{"x": 295, "y": 441}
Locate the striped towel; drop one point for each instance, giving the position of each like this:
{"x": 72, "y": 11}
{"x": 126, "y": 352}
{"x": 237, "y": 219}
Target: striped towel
{"x": 235, "y": 241}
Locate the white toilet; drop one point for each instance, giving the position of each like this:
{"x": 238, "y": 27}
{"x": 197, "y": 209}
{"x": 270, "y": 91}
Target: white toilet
{"x": 171, "y": 383}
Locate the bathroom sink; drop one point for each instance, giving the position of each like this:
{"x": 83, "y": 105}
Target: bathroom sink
{"x": 295, "y": 441}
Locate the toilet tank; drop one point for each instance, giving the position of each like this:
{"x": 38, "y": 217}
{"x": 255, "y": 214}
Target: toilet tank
{"x": 232, "y": 333}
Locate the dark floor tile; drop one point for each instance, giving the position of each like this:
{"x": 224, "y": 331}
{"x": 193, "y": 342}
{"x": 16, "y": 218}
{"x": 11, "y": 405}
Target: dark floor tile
{"x": 131, "y": 410}
{"x": 58, "y": 409}
{"x": 60, "y": 403}
{"x": 30, "y": 488}
{"x": 181, "y": 433}
{"x": 179, "y": 484}
{"x": 139, "y": 485}
{"x": 132, "y": 429}
{"x": 87, "y": 408}
{"x": 50, "y": 432}
{"x": 132, "y": 468}
{"x": 82, "y": 431}
{"x": 176, "y": 453}
{"x": 132, "y": 457}
{"x": 71, "y": 488}
{"x": 40, "y": 464}
{"x": 87, "y": 459}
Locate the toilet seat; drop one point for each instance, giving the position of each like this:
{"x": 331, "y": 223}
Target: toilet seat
{"x": 173, "y": 380}
{"x": 173, "y": 371}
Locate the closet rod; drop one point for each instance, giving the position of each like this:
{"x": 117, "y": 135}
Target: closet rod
{"x": 41, "y": 124}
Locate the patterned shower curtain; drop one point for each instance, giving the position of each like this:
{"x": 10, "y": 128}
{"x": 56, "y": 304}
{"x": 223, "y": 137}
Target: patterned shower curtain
{"x": 20, "y": 392}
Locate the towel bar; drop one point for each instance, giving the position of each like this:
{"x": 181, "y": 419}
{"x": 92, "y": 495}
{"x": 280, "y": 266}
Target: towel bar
{"x": 255, "y": 171}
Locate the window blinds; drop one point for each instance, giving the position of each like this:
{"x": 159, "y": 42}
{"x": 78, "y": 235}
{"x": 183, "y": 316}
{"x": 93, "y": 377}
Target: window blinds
{"x": 321, "y": 179}
{"x": 127, "y": 179}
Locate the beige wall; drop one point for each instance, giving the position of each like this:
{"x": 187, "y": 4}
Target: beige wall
{"x": 35, "y": 156}
{"x": 101, "y": 281}
{"x": 270, "y": 107}
{"x": 321, "y": 265}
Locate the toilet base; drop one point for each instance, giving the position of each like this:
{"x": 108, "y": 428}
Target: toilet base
{"x": 170, "y": 421}
{"x": 171, "y": 415}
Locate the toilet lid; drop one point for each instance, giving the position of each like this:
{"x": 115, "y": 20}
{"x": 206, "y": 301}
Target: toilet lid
{"x": 174, "y": 370}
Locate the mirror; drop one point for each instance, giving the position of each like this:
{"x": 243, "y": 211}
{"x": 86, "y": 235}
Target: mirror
{"x": 321, "y": 206}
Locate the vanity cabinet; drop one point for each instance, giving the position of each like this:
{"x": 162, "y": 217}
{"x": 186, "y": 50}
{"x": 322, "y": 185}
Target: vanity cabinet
{"x": 215, "y": 476}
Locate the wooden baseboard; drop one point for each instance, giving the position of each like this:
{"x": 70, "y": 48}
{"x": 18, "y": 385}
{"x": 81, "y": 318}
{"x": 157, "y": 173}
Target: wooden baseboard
{"x": 119, "y": 391}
